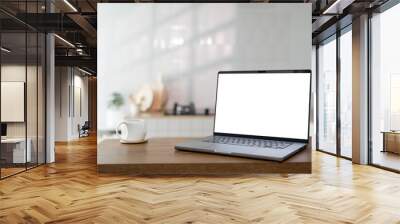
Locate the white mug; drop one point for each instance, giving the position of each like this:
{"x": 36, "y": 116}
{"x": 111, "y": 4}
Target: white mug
{"x": 132, "y": 131}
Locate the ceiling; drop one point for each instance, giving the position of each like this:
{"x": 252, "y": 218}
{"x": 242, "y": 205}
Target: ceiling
{"x": 75, "y": 22}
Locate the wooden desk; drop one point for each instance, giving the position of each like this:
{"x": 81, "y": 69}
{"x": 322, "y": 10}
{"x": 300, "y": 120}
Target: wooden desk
{"x": 391, "y": 141}
{"x": 13, "y": 150}
{"x": 158, "y": 157}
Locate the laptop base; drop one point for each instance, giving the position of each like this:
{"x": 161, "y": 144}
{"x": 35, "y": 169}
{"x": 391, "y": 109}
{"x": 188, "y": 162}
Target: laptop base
{"x": 264, "y": 153}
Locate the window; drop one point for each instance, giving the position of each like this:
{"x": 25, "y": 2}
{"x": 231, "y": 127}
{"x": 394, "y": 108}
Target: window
{"x": 22, "y": 77}
{"x": 385, "y": 89}
{"x": 334, "y": 96}
{"x": 346, "y": 92}
{"x": 327, "y": 96}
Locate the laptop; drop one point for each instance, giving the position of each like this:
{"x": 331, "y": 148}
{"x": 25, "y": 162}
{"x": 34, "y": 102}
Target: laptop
{"x": 259, "y": 114}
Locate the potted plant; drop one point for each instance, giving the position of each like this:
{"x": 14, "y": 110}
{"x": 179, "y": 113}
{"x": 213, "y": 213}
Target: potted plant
{"x": 116, "y": 101}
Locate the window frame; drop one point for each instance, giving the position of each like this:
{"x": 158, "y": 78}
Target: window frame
{"x": 334, "y": 37}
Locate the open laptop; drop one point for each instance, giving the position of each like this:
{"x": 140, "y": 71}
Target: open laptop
{"x": 259, "y": 114}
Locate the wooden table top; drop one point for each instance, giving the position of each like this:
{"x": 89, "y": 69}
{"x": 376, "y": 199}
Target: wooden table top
{"x": 158, "y": 156}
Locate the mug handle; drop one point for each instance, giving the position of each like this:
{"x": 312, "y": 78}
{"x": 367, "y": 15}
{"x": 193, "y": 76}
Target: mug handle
{"x": 118, "y": 128}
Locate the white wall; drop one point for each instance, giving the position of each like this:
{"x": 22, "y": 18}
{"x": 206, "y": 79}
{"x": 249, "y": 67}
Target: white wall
{"x": 12, "y": 73}
{"x": 61, "y": 103}
{"x": 80, "y": 83}
{"x": 18, "y": 73}
{"x": 187, "y": 44}
{"x": 66, "y": 119}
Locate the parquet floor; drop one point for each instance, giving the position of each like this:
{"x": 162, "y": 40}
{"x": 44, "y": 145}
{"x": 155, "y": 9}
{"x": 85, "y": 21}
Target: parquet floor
{"x": 10, "y": 171}
{"x": 71, "y": 191}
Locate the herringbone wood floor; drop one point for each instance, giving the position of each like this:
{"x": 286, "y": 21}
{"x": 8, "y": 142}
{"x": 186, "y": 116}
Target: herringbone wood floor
{"x": 71, "y": 191}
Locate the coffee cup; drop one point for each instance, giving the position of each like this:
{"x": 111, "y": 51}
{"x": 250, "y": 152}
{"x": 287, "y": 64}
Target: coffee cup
{"x": 132, "y": 131}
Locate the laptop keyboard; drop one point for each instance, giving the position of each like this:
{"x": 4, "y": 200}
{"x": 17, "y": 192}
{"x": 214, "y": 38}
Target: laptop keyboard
{"x": 249, "y": 142}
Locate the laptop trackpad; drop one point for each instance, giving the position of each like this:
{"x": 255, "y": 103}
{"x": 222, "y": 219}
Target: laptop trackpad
{"x": 229, "y": 149}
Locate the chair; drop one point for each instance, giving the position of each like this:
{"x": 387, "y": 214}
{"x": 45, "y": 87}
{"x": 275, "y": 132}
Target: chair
{"x": 84, "y": 130}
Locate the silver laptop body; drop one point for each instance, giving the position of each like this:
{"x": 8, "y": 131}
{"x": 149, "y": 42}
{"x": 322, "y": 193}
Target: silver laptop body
{"x": 259, "y": 114}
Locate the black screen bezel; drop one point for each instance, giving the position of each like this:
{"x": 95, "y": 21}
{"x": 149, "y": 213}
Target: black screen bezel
{"x": 265, "y": 137}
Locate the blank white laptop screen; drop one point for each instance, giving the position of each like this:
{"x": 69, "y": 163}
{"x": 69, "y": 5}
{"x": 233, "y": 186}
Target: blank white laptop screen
{"x": 263, "y": 104}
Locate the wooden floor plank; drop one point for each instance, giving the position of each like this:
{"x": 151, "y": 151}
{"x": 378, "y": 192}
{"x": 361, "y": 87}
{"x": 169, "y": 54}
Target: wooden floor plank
{"x": 71, "y": 191}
